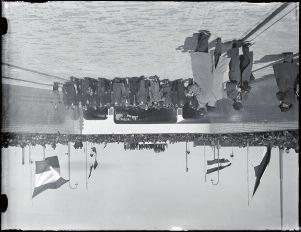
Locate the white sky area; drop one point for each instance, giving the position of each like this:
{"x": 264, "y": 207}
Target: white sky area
{"x": 145, "y": 190}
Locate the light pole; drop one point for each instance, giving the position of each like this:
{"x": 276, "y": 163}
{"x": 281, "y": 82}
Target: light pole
{"x": 281, "y": 184}
{"x": 187, "y": 152}
{"x": 217, "y": 164}
{"x": 69, "y": 167}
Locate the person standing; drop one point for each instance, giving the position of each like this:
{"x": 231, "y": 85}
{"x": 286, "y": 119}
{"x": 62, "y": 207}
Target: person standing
{"x": 217, "y": 50}
{"x": 202, "y": 42}
{"x": 286, "y": 74}
{"x": 234, "y": 65}
{"x": 141, "y": 97}
{"x": 193, "y": 90}
{"x": 208, "y": 74}
{"x": 134, "y": 87}
{"x": 246, "y": 63}
{"x": 154, "y": 90}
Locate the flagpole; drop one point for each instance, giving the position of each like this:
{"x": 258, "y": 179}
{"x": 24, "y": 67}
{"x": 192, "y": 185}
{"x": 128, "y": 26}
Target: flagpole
{"x": 69, "y": 168}
{"x": 205, "y": 161}
{"x": 217, "y": 164}
{"x": 44, "y": 152}
{"x": 218, "y": 161}
{"x": 30, "y": 167}
{"x": 186, "y": 158}
{"x": 23, "y": 155}
{"x": 281, "y": 185}
{"x": 248, "y": 173}
{"x": 69, "y": 164}
{"x": 86, "y": 166}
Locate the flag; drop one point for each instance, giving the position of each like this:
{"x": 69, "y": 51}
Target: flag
{"x": 215, "y": 161}
{"x": 93, "y": 160}
{"x": 259, "y": 169}
{"x": 210, "y": 170}
{"x": 47, "y": 175}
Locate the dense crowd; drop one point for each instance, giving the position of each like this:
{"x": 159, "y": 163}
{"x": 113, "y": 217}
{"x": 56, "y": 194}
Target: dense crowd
{"x": 283, "y": 139}
{"x": 142, "y": 92}
{"x": 198, "y": 93}
{"x": 221, "y": 72}
{"x": 138, "y": 146}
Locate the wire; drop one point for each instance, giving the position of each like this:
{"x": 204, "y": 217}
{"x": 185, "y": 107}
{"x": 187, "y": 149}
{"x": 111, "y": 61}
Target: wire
{"x": 268, "y": 65}
{"x": 16, "y": 79}
{"x": 266, "y": 20}
{"x": 33, "y": 71}
{"x": 274, "y": 23}
{"x": 261, "y": 23}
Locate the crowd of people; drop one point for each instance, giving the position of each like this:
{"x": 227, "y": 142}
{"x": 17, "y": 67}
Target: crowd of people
{"x": 149, "y": 146}
{"x": 198, "y": 92}
{"x": 220, "y": 70}
{"x": 142, "y": 92}
{"x": 283, "y": 139}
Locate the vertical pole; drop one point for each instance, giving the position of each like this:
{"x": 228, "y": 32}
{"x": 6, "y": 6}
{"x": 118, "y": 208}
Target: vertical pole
{"x": 29, "y": 154}
{"x": 248, "y": 173}
{"x": 30, "y": 168}
{"x": 69, "y": 162}
{"x": 44, "y": 152}
{"x": 218, "y": 160}
{"x": 205, "y": 162}
{"x": 186, "y": 158}
{"x": 86, "y": 166}
{"x": 281, "y": 185}
{"x": 23, "y": 155}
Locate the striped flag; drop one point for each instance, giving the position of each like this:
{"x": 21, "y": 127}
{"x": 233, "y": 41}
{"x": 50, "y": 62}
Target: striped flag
{"x": 47, "y": 175}
{"x": 216, "y": 162}
{"x": 210, "y": 170}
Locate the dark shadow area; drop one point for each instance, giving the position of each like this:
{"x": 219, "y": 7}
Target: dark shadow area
{"x": 101, "y": 113}
{"x": 133, "y": 115}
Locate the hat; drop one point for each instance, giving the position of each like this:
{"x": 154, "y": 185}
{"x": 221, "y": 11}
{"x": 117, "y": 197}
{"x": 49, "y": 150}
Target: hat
{"x": 284, "y": 107}
{"x": 246, "y": 44}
